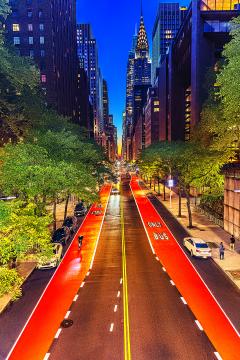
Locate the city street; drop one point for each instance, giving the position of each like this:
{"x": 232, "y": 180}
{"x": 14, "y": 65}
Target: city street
{"x": 160, "y": 324}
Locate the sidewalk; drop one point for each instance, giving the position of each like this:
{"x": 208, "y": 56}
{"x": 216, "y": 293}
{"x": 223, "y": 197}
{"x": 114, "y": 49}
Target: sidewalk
{"x": 207, "y": 230}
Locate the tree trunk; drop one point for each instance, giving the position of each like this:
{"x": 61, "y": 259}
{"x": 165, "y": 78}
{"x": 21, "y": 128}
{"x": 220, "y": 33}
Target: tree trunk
{"x": 159, "y": 193}
{"x": 54, "y": 215}
{"x": 14, "y": 262}
{"x": 150, "y": 183}
{"x": 66, "y": 206}
{"x": 180, "y": 203}
{"x": 154, "y": 186}
{"x": 190, "y": 224}
{"x": 164, "y": 191}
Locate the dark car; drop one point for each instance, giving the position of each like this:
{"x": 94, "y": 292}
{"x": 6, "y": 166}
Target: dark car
{"x": 61, "y": 235}
{"x": 71, "y": 223}
{"x": 80, "y": 210}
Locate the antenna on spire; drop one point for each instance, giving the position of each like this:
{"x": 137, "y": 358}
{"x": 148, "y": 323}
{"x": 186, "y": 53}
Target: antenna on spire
{"x": 141, "y": 8}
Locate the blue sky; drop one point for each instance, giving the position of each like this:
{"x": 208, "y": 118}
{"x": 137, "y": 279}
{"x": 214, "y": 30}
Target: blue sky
{"x": 113, "y": 24}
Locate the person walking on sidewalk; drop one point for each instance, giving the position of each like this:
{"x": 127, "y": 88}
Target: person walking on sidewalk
{"x": 221, "y": 251}
{"x": 232, "y": 243}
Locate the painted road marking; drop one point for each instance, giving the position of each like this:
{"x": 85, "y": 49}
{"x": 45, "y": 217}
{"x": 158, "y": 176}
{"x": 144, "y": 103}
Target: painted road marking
{"x": 164, "y": 269}
{"x": 88, "y": 273}
{"x": 67, "y": 314}
{"x": 217, "y": 355}
{"x": 183, "y": 300}
{"x": 118, "y": 294}
{"x": 121, "y": 281}
{"x": 115, "y": 308}
{"x": 46, "y": 357}
{"x": 82, "y": 284}
{"x": 199, "y": 325}
{"x": 157, "y": 258}
{"x": 173, "y": 284}
{"x": 75, "y": 298}
{"x": 58, "y": 333}
{"x": 111, "y": 327}
{"x": 127, "y": 344}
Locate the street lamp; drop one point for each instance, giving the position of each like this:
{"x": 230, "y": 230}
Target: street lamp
{"x": 170, "y": 185}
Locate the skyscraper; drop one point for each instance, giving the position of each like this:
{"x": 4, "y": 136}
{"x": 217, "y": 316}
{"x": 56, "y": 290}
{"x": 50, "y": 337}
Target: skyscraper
{"x": 88, "y": 56}
{"x": 168, "y": 20}
{"x": 46, "y": 31}
{"x": 138, "y": 82}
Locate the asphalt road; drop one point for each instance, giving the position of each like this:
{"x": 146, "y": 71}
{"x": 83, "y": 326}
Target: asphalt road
{"x": 15, "y": 316}
{"x": 161, "y": 325}
{"x": 93, "y": 313}
{"x": 223, "y": 289}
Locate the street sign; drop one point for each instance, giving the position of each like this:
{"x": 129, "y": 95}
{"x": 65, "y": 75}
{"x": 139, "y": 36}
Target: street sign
{"x": 170, "y": 183}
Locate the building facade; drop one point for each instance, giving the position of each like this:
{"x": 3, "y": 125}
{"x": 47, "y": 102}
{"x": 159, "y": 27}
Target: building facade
{"x": 138, "y": 82}
{"x": 88, "y": 57}
{"x": 151, "y": 116}
{"x": 46, "y": 32}
{"x": 168, "y": 20}
{"x": 196, "y": 48}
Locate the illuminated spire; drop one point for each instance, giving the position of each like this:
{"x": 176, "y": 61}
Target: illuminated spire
{"x": 142, "y": 41}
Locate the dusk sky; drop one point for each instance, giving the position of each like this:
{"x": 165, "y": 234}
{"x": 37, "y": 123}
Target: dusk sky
{"x": 113, "y": 24}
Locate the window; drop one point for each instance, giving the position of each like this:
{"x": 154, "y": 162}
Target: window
{"x": 15, "y": 27}
{"x": 30, "y": 40}
{"x": 29, "y": 13}
{"x": 31, "y": 53}
{"x": 16, "y": 40}
{"x": 41, "y": 27}
{"x": 41, "y": 40}
{"x": 42, "y": 53}
{"x": 43, "y": 78}
{"x": 40, "y": 13}
{"x": 30, "y": 27}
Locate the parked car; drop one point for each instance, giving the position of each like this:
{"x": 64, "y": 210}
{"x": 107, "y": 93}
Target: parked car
{"x": 71, "y": 223}
{"x": 54, "y": 261}
{"x": 80, "y": 210}
{"x": 115, "y": 191}
{"x": 197, "y": 247}
{"x": 61, "y": 235}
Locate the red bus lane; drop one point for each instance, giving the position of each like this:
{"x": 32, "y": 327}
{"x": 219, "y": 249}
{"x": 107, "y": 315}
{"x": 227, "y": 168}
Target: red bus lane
{"x": 198, "y": 296}
{"x": 41, "y": 327}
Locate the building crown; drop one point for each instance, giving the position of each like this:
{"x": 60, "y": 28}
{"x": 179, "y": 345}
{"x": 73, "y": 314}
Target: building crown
{"x": 142, "y": 40}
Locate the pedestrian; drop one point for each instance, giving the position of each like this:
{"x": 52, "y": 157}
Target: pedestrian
{"x": 221, "y": 251}
{"x": 232, "y": 243}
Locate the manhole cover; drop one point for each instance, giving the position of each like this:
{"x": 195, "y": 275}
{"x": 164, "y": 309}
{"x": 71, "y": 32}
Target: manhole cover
{"x": 66, "y": 323}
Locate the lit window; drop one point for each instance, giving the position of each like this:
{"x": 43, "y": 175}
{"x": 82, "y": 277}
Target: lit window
{"x": 30, "y": 40}
{"x": 16, "y": 40}
{"x": 156, "y": 109}
{"x": 15, "y": 27}
{"x": 156, "y": 102}
{"x": 41, "y": 27}
{"x": 41, "y": 39}
{"x": 29, "y": 13}
{"x": 31, "y": 53}
{"x": 40, "y": 13}
{"x": 43, "y": 78}
{"x": 30, "y": 27}
{"x": 42, "y": 53}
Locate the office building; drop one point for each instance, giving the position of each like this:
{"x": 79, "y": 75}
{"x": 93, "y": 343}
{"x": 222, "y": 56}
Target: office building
{"x": 196, "y": 48}
{"x": 151, "y": 116}
{"x": 46, "y": 32}
{"x": 168, "y": 20}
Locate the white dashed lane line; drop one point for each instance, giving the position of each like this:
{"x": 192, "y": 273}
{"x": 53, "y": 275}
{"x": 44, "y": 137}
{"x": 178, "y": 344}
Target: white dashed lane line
{"x": 46, "y": 357}
{"x": 118, "y": 294}
{"x": 217, "y": 355}
{"x": 183, "y": 300}
{"x": 58, "y": 333}
{"x": 115, "y": 308}
{"x": 172, "y": 283}
{"x": 67, "y": 314}
{"x": 82, "y": 284}
{"x": 199, "y": 325}
{"x": 75, "y": 298}
{"x": 164, "y": 269}
{"x": 111, "y": 327}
